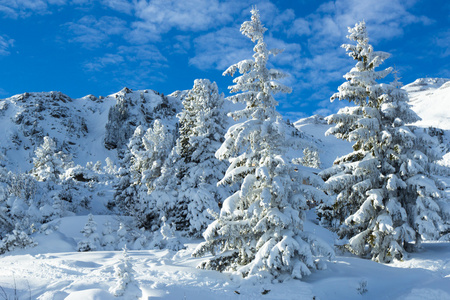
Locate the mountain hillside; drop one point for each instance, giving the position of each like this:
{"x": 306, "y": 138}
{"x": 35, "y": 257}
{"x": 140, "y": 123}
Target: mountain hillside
{"x": 89, "y": 129}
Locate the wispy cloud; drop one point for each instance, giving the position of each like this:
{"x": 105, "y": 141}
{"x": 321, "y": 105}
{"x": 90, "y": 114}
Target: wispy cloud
{"x": 132, "y": 57}
{"x": 218, "y": 50}
{"x": 102, "y": 62}
{"x": 5, "y": 44}
{"x": 93, "y": 33}
{"x": 321, "y": 61}
{"x": 442, "y": 41}
{"x": 123, "y": 6}
{"x": 132, "y": 66}
{"x": 24, "y": 8}
{"x": 160, "y": 16}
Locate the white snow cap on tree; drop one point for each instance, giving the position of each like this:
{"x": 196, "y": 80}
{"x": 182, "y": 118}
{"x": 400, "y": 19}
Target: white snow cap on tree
{"x": 259, "y": 232}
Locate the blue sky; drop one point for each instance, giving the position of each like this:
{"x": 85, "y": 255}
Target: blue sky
{"x": 82, "y": 47}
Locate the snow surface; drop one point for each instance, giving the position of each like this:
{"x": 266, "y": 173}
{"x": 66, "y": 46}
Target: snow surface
{"x": 54, "y": 270}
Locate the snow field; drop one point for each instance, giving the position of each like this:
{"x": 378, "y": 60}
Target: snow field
{"x": 54, "y": 270}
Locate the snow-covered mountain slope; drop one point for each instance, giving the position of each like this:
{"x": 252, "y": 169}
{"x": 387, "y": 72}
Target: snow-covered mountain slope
{"x": 89, "y": 128}
{"x": 430, "y": 99}
{"x": 329, "y": 147}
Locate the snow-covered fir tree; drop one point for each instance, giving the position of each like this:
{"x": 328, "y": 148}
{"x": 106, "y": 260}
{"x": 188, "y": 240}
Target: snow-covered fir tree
{"x": 149, "y": 152}
{"x": 19, "y": 208}
{"x": 108, "y": 240}
{"x": 385, "y": 201}
{"x": 162, "y": 201}
{"x": 186, "y": 189}
{"x": 49, "y": 163}
{"x": 259, "y": 232}
{"x": 142, "y": 165}
{"x": 16, "y": 240}
{"x": 122, "y": 235}
{"x": 91, "y": 240}
{"x": 310, "y": 158}
{"x": 202, "y": 127}
{"x": 166, "y": 238}
{"x": 126, "y": 285}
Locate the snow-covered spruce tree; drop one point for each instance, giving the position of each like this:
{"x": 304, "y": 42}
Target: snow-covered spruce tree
{"x": 48, "y": 163}
{"x": 146, "y": 168}
{"x": 166, "y": 238}
{"x": 356, "y": 90}
{"x": 162, "y": 200}
{"x": 16, "y": 240}
{"x": 91, "y": 241}
{"x": 186, "y": 187}
{"x": 384, "y": 198}
{"x": 259, "y": 231}
{"x": 126, "y": 286}
{"x": 310, "y": 158}
{"x": 142, "y": 165}
{"x": 107, "y": 240}
{"x": 202, "y": 127}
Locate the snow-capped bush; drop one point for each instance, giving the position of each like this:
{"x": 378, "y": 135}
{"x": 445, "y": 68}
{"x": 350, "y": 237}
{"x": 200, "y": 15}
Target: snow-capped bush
{"x": 166, "y": 238}
{"x": 310, "y": 158}
{"x": 16, "y": 240}
{"x": 91, "y": 241}
{"x": 126, "y": 285}
{"x": 108, "y": 239}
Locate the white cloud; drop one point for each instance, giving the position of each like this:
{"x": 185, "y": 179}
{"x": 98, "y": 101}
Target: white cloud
{"x": 132, "y": 66}
{"x": 442, "y": 41}
{"x": 220, "y": 49}
{"x": 181, "y": 44}
{"x": 321, "y": 62}
{"x": 100, "y": 63}
{"x": 24, "y": 8}
{"x": 123, "y": 6}
{"x": 145, "y": 54}
{"x": 92, "y": 32}
{"x": 5, "y": 44}
{"x": 128, "y": 57}
{"x": 385, "y": 19}
{"x": 160, "y": 16}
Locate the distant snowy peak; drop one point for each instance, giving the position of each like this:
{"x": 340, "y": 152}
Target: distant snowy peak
{"x": 430, "y": 99}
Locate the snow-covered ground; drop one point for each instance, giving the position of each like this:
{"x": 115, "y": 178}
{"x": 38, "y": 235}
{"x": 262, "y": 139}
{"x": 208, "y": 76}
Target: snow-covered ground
{"x": 54, "y": 270}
